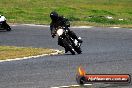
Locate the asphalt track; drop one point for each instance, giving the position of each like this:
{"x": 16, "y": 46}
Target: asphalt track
{"x": 105, "y": 51}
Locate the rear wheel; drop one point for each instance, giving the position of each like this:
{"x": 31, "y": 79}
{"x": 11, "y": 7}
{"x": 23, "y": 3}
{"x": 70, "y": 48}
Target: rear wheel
{"x": 72, "y": 51}
{"x": 77, "y": 48}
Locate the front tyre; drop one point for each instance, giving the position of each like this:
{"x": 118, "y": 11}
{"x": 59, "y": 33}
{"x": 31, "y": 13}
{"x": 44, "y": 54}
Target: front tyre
{"x": 8, "y": 28}
{"x": 69, "y": 47}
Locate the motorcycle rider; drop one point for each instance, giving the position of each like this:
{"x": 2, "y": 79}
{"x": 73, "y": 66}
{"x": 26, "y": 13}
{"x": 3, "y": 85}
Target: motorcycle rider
{"x": 63, "y": 22}
{"x": 3, "y": 21}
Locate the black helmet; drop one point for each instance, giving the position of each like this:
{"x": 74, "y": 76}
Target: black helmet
{"x": 53, "y": 15}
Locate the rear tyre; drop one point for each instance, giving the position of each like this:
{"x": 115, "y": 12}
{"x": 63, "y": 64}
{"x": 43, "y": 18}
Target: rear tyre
{"x": 78, "y": 50}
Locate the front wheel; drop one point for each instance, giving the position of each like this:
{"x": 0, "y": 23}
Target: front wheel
{"x": 8, "y": 28}
{"x": 69, "y": 47}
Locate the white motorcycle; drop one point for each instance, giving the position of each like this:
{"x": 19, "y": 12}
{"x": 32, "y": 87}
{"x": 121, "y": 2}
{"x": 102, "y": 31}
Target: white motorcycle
{"x": 3, "y": 24}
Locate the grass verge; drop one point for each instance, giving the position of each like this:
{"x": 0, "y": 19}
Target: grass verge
{"x": 10, "y": 52}
{"x": 85, "y": 12}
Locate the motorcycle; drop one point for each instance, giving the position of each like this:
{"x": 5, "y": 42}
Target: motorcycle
{"x": 5, "y": 26}
{"x": 70, "y": 44}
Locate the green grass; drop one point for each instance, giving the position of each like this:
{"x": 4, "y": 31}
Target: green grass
{"x": 78, "y": 11}
{"x": 10, "y": 52}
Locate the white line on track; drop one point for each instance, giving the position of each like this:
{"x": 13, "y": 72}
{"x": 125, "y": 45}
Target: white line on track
{"x": 115, "y": 27}
{"x": 49, "y": 26}
{"x": 86, "y": 85}
{"x": 30, "y": 25}
{"x": 36, "y": 25}
{"x": 75, "y": 85}
{"x": 64, "y": 86}
{"x": 82, "y": 27}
